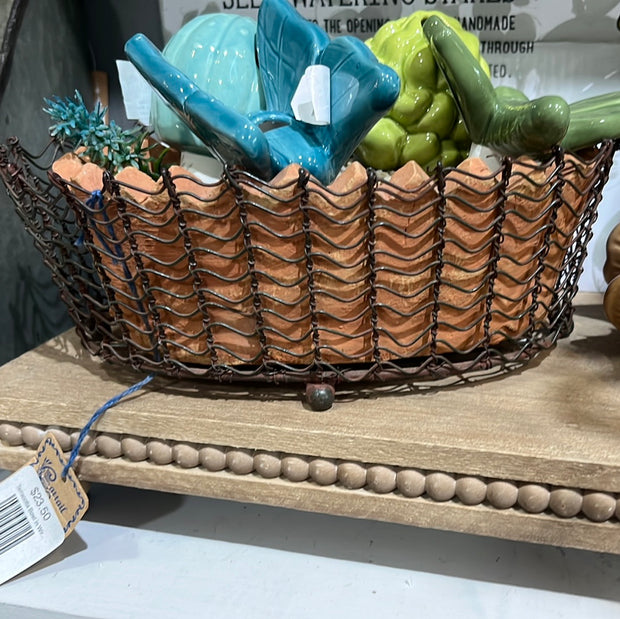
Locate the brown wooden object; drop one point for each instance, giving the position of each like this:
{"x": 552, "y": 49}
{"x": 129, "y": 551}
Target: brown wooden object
{"x": 534, "y": 456}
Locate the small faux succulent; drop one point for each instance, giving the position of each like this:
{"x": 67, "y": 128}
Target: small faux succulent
{"x": 105, "y": 144}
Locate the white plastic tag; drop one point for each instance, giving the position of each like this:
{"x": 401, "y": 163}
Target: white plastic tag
{"x": 488, "y": 155}
{"x": 311, "y": 102}
{"x": 206, "y": 169}
{"x": 136, "y": 92}
{"x": 29, "y": 526}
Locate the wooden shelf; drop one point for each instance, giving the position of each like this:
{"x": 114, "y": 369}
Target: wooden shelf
{"x": 522, "y": 449}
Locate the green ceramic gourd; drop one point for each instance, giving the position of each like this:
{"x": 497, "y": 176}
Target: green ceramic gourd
{"x": 217, "y": 51}
{"x": 503, "y": 119}
{"x": 593, "y": 120}
{"x": 424, "y": 124}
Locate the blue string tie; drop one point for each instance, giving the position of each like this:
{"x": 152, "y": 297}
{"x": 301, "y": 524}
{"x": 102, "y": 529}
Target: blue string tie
{"x": 95, "y": 202}
{"x": 97, "y": 414}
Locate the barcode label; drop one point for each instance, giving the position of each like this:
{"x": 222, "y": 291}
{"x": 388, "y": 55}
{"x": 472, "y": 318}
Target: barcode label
{"x": 29, "y": 526}
{"x": 14, "y": 524}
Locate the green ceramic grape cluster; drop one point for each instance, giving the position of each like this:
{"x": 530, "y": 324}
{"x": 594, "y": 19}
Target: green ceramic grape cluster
{"x": 424, "y": 124}
{"x": 447, "y": 101}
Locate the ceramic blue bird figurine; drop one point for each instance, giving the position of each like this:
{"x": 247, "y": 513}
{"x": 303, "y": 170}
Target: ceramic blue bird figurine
{"x": 264, "y": 142}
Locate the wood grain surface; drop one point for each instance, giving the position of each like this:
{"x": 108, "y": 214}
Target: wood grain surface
{"x": 555, "y": 424}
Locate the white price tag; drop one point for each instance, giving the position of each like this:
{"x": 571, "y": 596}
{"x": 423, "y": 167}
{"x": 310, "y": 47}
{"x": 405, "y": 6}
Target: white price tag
{"x": 311, "y": 102}
{"x": 136, "y": 92}
{"x": 29, "y": 526}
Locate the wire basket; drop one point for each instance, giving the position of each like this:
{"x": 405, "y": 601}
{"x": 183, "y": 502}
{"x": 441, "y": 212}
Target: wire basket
{"x": 367, "y": 280}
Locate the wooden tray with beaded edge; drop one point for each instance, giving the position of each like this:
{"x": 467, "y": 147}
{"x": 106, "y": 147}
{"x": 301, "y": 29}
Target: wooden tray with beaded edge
{"x": 534, "y": 456}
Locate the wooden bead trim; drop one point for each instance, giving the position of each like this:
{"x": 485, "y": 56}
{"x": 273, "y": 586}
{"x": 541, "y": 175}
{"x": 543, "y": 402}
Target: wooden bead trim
{"x": 532, "y": 498}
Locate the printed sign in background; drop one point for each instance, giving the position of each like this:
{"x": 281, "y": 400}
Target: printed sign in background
{"x": 564, "y": 47}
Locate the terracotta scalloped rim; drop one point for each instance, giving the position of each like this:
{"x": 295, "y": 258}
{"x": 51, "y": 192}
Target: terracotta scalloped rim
{"x": 411, "y": 483}
{"x": 338, "y": 321}
{"x": 85, "y": 175}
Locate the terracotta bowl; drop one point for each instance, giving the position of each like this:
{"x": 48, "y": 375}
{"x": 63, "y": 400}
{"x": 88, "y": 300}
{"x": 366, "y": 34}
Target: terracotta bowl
{"x": 365, "y": 278}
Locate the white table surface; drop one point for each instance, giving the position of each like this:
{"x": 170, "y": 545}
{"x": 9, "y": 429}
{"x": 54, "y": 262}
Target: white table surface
{"x": 150, "y": 554}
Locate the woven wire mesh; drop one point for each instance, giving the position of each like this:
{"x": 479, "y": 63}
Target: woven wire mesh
{"x": 376, "y": 280}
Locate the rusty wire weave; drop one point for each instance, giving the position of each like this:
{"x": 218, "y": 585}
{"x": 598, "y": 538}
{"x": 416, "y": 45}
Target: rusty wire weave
{"x": 290, "y": 281}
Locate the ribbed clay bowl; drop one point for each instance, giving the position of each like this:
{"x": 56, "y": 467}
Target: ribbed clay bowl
{"x": 243, "y": 278}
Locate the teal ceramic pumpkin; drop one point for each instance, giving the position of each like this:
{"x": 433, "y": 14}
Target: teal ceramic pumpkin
{"x": 217, "y": 51}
